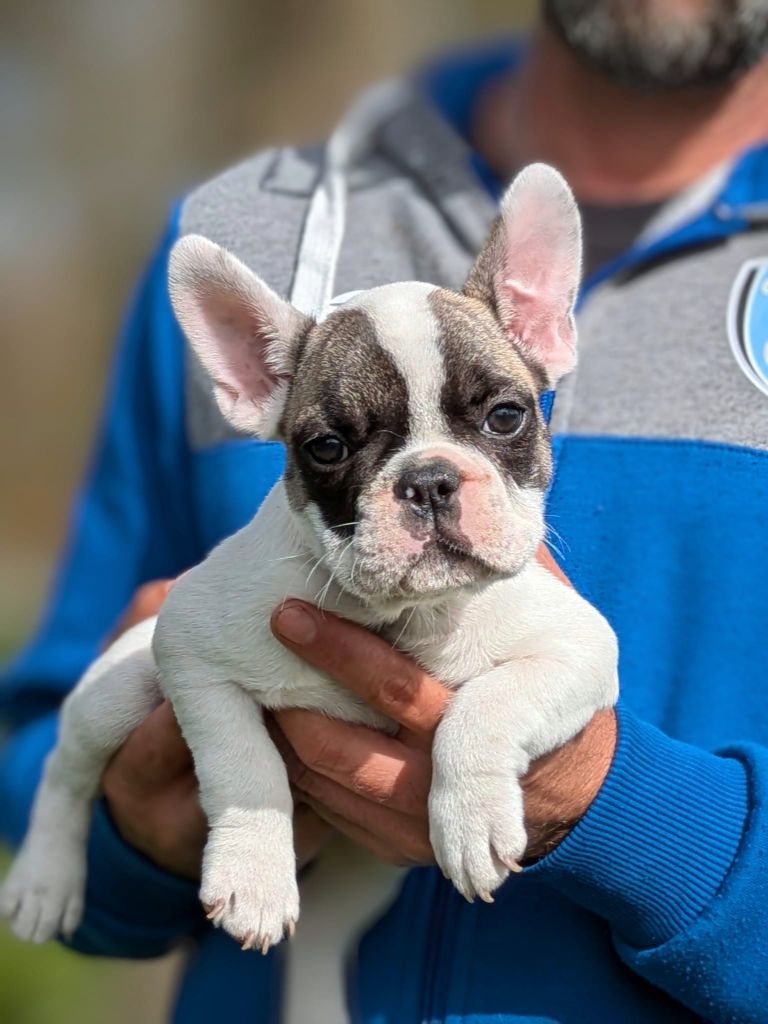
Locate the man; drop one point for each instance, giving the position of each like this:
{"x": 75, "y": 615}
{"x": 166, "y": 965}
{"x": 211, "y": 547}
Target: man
{"x": 645, "y": 892}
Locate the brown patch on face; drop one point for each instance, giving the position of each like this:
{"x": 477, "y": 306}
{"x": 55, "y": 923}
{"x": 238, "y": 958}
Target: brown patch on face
{"x": 345, "y": 384}
{"x": 480, "y": 287}
{"x": 479, "y": 283}
{"x": 483, "y": 370}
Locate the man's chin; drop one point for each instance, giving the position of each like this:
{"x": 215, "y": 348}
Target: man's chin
{"x": 662, "y": 47}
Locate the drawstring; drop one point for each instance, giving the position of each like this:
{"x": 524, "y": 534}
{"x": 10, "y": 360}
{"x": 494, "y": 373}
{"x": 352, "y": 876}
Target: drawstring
{"x": 312, "y": 290}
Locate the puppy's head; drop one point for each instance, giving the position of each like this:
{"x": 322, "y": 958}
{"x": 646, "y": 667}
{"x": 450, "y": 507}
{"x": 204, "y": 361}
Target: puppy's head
{"x": 417, "y": 455}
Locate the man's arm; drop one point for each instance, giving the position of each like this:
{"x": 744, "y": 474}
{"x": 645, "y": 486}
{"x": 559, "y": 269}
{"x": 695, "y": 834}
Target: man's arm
{"x": 665, "y": 841}
{"x": 131, "y": 523}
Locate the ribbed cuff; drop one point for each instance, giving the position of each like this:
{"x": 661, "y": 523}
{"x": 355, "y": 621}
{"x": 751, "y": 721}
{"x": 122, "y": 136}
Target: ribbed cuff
{"x": 133, "y": 907}
{"x": 659, "y": 839}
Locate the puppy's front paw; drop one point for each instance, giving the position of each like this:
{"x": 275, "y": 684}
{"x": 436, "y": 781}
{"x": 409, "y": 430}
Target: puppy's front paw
{"x": 477, "y": 831}
{"x": 43, "y": 893}
{"x": 249, "y": 886}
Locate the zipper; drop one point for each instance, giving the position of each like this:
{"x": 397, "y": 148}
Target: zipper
{"x": 436, "y": 919}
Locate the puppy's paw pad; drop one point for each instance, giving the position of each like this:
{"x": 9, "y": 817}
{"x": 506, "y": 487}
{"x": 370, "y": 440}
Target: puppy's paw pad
{"x": 39, "y": 910}
{"x": 509, "y": 845}
{"x": 476, "y": 843}
{"x": 255, "y": 919}
{"x": 253, "y": 895}
{"x": 9, "y": 900}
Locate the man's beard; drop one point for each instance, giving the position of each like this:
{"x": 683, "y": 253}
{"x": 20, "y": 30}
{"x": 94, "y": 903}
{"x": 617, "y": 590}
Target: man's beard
{"x": 655, "y": 44}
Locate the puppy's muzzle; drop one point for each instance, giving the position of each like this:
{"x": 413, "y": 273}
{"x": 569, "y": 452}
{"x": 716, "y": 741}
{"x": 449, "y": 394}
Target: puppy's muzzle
{"x": 429, "y": 490}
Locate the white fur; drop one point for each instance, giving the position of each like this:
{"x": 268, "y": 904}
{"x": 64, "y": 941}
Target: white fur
{"x": 529, "y": 659}
{"x": 538, "y": 267}
{"x": 43, "y": 892}
{"x": 240, "y": 330}
{"x": 407, "y": 329}
{"x": 532, "y": 662}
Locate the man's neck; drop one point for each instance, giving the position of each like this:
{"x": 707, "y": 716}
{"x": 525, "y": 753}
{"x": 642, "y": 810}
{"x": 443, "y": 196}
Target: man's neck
{"x": 615, "y": 145}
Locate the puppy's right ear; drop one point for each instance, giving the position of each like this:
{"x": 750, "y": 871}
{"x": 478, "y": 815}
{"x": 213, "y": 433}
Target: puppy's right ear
{"x": 528, "y": 271}
{"x": 242, "y": 332}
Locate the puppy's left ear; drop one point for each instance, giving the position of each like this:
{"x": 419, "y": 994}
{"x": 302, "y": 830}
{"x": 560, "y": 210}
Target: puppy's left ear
{"x": 530, "y": 267}
{"x": 241, "y": 331}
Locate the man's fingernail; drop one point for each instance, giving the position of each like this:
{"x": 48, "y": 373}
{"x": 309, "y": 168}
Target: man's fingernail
{"x": 296, "y": 625}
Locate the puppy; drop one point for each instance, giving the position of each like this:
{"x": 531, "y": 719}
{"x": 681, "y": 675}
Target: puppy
{"x": 412, "y": 502}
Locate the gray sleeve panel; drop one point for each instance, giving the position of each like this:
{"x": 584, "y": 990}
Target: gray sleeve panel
{"x": 655, "y": 357}
{"x": 410, "y": 216}
{"x": 256, "y": 210}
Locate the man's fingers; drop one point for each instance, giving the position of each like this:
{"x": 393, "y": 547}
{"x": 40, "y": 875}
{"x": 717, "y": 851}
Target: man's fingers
{"x": 146, "y": 602}
{"x": 359, "y": 817}
{"x": 344, "y": 802}
{"x": 149, "y": 598}
{"x": 371, "y": 765}
{"x": 310, "y": 833}
{"x": 409, "y": 835}
{"x": 388, "y": 846}
{"x": 365, "y": 664}
{"x": 380, "y": 849}
{"x": 154, "y": 753}
{"x": 545, "y": 557}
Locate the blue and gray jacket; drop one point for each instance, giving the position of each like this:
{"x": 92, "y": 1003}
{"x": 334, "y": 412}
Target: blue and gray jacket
{"x": 655, "y": 908}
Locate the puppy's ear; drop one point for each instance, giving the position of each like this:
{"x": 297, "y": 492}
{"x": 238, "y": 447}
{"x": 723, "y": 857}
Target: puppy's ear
{"x": 242, "y": 332}
{"x": 529, "y": 269}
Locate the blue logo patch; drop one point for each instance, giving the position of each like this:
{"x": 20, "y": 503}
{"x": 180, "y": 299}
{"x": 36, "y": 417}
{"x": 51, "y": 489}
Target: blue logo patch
{"x": 748, "y": 321}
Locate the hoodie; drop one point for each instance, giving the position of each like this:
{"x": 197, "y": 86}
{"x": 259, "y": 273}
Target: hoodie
{"x": 653, "y": 908}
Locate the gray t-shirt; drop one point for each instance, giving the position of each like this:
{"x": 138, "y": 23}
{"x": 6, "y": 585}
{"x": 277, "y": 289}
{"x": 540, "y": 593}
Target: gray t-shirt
{"x": 611, "y": 230}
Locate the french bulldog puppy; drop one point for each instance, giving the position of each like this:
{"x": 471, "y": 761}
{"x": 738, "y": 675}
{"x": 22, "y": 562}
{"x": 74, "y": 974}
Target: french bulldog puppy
{"x": 413, "y": 503}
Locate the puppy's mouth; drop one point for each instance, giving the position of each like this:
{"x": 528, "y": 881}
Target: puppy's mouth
{"x": 452, "y": 541}
{"x": 454, "y": 552}
{"x": 447, "y": 563}
{"x": 437, "y": 530}
{"x": 442, "y": 537}
{"x": 410, "y": 551}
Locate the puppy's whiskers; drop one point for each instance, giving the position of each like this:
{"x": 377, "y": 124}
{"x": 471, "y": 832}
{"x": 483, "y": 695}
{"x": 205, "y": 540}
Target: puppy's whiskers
{"x": 552, "y": 536}
{"x": 322, "y": 594}
{"x": 314, "y": 568}
{"x": 406, "y": 624}
{"x": 288, "y": 591}
{"x": 433, "y": 614}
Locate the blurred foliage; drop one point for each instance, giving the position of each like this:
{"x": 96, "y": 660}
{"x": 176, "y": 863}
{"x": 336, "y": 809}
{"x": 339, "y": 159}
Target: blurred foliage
{"x": 50, "y": 985}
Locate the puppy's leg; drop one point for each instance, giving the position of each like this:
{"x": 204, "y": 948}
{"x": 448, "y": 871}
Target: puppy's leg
{"x": 495, "y": 726}
{"x": 249, "y": 869}
{"x": 43, "y": 893}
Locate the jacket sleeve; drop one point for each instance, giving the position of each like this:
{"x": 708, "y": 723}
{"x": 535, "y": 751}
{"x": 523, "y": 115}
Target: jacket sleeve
{"x": 673, "y": 854}
{"x": 131, "y": 523}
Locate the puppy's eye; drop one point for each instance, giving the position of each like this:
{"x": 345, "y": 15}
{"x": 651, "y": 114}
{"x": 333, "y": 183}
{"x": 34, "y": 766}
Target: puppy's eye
{"x": 328, "y": 450}
{"x": 507, "y": 419}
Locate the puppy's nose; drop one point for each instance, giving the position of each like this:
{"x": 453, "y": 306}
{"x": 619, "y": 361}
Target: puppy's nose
{"x": 429, "y": 487}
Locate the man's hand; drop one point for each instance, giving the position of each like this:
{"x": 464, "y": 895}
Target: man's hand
{"x": 151, "y": 791}
{"x": 373, "y": 787}
{"x": 146, "y": 602}
{"x": 150, "y": 785}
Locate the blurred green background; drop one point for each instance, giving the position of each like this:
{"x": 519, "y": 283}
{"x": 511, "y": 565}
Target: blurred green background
{"x": 110, "y": 111}
{"x": 50, "y": 985}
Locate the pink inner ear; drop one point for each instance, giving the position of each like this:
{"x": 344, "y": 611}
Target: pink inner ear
{"x": 236, "y": 348}
{"x": 540, "y": 323}
{"x": 537, "y": 264}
